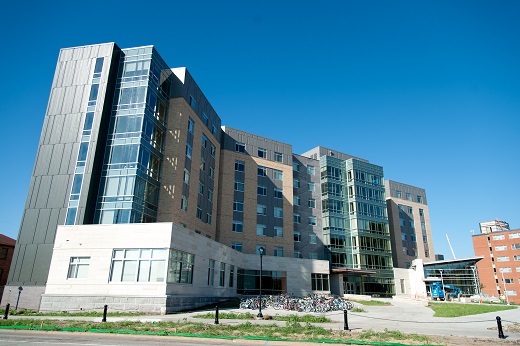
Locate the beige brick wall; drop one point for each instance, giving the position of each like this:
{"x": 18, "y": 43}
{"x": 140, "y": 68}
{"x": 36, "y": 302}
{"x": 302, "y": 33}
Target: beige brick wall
{"x": 248, "y": 238}
{"x": 173, "y": 169}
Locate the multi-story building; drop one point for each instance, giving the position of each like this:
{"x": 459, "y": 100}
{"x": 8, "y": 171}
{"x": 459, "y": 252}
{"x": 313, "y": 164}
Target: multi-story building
{"x": 125, "y": 203}
{"x": 499, "y": 270}
{"x": 355, "y": 235}
{"x": 6, "y": 256}
{"x": 409, "y": 219}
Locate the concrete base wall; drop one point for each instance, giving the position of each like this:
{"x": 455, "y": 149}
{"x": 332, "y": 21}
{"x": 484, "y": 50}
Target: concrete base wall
{"x": 155, "y": 305}
{"x": 29, "y": 298}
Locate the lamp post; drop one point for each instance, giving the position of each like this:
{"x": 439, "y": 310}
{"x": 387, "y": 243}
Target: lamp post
{"x": 442, "y": 283}
{"x": 261, "y": 250}
{"x": 20, "y": 289}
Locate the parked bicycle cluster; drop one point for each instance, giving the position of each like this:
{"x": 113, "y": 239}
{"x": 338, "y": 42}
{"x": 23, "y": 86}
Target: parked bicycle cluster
{"x": 311, "y": 303}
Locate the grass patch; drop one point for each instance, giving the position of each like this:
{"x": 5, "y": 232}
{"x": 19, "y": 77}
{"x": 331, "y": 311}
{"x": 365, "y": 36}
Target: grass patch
{"x": 293, "y": 330}
{"x": 372, "y": 302}
{"x": 456, "y": 310}
{"x": 358, "y": 310}
{"x": 23, "y": 312}
{"x": 250, "y": 316}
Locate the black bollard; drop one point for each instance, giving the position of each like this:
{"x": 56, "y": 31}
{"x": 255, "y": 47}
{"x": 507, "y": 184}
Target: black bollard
{"x": 105, "y": 308}
{"x": 216, "y": 314}
{"x": 345, "y": 320}
{"x": 500, "y": 331}
{"x": 6, "y": 314}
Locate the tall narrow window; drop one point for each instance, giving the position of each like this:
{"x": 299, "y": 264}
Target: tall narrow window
{"x": 211, "y": 272}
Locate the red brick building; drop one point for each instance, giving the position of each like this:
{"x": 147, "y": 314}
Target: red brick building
{"x": 6, "y": 256}
{"x": 499, "y": 270}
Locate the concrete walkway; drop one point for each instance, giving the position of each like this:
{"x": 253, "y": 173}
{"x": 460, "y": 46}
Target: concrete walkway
{"x": 407, "y": 317}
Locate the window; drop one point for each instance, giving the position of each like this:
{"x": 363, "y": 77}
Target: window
{"x": 426, "y": 253}
{"x": 517, "y": 258}
{"x": 202, "y": 164}
{"x": 397, "y": 193}
{"x": 204, "y": 141}
{"x": 240, "y": 147}
{"x": 412, "y": 224}
{"x": 296, "y": 200}
{"x": 231, "y": 275}
{"x": 312, "y": 203}
{"x": 501, "y": 248}
{"x": 312, "y": 220}
{"x": 211, "y": 272}
{"x": 184, "y": 203}
{"x": 238, "y": 206}
{"x": 410, "y": 210}
{"x": 423, "y": 226}
{"x": 186, "y": 176}
{"x": 311, "y": 170}
{"x": 181, "y": 267}
{"x": 188, "y": 150}
{"x": 199, "y": 213}
{"x": 261, "y": 230}
{"x": 193, "y": 102}
{"x": 506, "y": 270}
{"x": 312, "y": 186}
{"x": 205, "y": 119}
{"x": 499, "y": 237}
{"x": 236, "y": 246}
{"x": 296, "y": 218}
{"x": 297, "y": 236}
{"x": 296, "y": 183}
{"x": 313, "y": 255}
{"x": 237, "y": 227}
{"x": 403, "y": 236}
{"x": 400, "y": 207}
{"x": 278, "y": 251}
{"x": 515, "y": 246}
{"x": 3, "y": 254}
{"x": 201, "y": 188}
{"x": 508, "y": 281}
{"x": 262, "y": 190}
{"x": 296, "y": 167}
{"x": 425, "y": 239}
{"x": 278, "y": 232}
{"x": 401, "y": 222}
{"x": 312, "y": 239}
{"x": 261, "y": 209}
{"x": 278, "y": 157}
{"x": 138, "y": 265}
{"x": 262, "y": 153}
{"x": 240, "y": 166}
{"x": 78, "y": 267}
{"x": 278, "y": 193}
{"x": 320, "y": 282}
{"x": 239, "y": 185}
{"x": 213, "y": 150}
{"x": 514, "y": 235}
{"x": 421, "y": 212}
{"x": 298, "y": 254}
{"x": 222, "y": 274}
{"x": 510, "y": 293}
{"x": 503, "y": 258}
{"x": 278, "y": 175}
{"x": 262, "y": 171}
{"x": 190, "y": 125}
{"x": 408, "y": 196}
{"x": 419, "y": 199}
{"x": 209, "y": 218}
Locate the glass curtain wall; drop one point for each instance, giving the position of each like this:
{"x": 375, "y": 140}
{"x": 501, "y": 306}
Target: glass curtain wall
{"x": 129, "y": 190}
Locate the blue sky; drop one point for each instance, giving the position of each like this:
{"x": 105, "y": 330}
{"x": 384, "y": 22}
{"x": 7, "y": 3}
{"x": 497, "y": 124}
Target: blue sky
{"x": 427, "y": 89}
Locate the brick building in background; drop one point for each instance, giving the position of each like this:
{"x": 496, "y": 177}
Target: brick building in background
{"x": 499, "y": 270}
{"x": 6, "y": 256}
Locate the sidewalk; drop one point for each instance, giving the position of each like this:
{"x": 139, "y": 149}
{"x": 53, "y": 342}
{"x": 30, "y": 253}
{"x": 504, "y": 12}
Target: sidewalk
{"x": 402, "y": 316}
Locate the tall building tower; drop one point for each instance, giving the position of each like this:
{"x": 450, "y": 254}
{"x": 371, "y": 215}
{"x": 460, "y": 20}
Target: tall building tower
{"x": 355, "y": 223}
{"x": 409, "y": 220}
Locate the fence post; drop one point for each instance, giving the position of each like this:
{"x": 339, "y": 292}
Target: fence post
{"x": 500, "y": 330}
{"x": 216, "y": 314}
{"x": 105, "y": 308}
{"x": 345, "y": 320}
{"x": 6, "y": 314}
